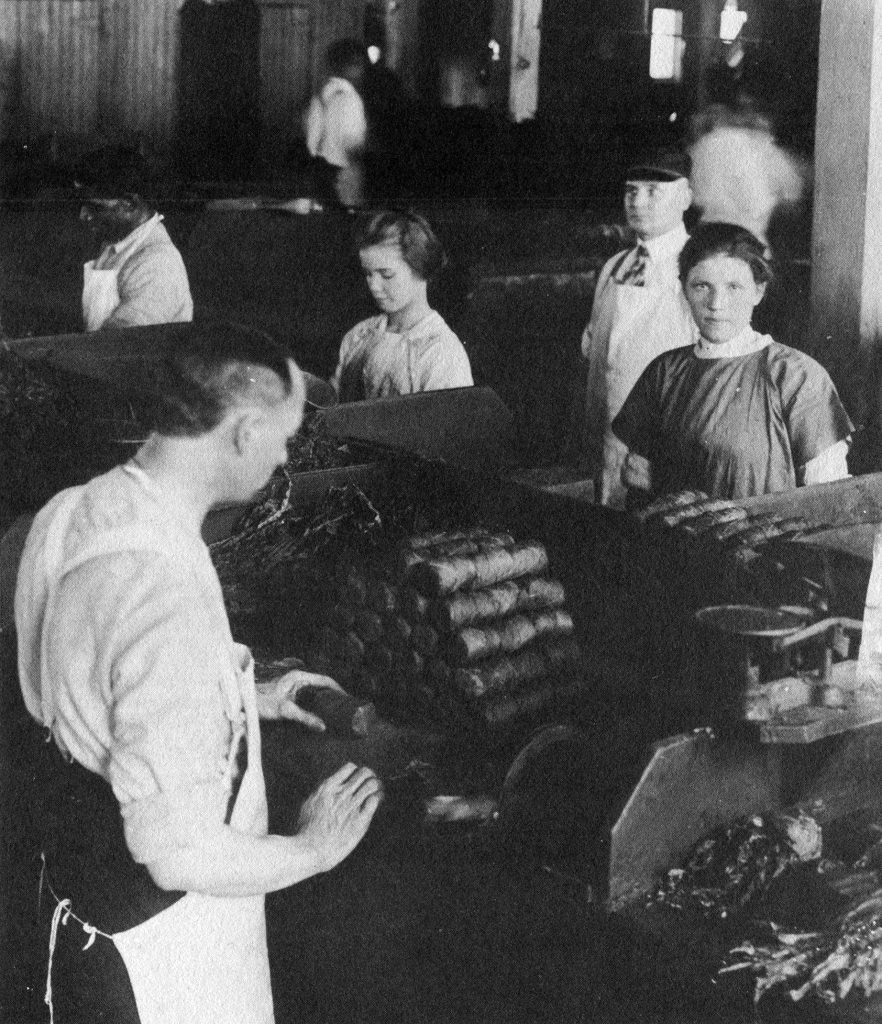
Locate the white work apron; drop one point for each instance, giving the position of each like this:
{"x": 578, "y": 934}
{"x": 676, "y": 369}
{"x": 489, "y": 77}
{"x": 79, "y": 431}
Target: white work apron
{"x": 870, "y": 654}
{"x": 203, "y": 960}
{"x": 631, "y": 315}
{"x": 100, "y": 295}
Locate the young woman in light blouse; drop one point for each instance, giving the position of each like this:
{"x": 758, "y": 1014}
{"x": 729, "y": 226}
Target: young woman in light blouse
{"x": 407, "y": 347}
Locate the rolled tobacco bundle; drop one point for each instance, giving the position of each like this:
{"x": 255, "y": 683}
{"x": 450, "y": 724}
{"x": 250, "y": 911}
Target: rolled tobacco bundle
{"x": 466, "y": 622}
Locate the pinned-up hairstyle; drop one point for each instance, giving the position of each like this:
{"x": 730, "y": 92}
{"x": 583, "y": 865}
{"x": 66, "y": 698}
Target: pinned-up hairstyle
{"x": 411, "y": 232}
{"x": 215, "y": 368}
{"x": 721, "y": 239}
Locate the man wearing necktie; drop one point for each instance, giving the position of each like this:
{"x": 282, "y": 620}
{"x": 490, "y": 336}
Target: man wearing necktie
{"x": 639, "y": 310}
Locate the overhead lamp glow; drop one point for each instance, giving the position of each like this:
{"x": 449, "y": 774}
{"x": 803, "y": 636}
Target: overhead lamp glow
{"x": 373, "y": 54}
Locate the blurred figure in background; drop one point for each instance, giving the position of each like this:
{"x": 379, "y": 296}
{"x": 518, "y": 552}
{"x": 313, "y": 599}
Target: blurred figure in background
{"x": 336, "y": 124}
{"x": 740, "y": 175}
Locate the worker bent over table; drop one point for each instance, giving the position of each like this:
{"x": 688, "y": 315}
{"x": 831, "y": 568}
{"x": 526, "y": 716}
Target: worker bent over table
{"x": 156, "y": 850}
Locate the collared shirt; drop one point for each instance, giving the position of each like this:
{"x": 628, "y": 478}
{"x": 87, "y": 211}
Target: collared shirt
{"x": 113, "y": 254}
{"x": 664, "y": 250}
{"x": 742, "y": 344}
{"x": 151, "y": 278}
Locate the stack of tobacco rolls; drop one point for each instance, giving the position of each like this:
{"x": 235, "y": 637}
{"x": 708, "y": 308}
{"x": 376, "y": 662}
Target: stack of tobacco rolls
{"x": 465, "y": 625}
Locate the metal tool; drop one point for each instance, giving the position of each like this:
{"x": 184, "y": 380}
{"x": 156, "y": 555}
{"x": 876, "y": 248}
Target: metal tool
{"x": 782, "y": 659}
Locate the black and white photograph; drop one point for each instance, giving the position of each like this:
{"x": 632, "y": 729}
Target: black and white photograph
{"x": 440, "y": 511}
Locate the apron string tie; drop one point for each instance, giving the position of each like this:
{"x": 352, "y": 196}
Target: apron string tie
{"x": 61, "y": 915}
{"x": 61, "y": 908}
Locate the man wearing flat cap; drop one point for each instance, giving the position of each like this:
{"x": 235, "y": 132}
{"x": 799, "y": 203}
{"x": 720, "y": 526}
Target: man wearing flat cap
{"x": 639, "y": 310}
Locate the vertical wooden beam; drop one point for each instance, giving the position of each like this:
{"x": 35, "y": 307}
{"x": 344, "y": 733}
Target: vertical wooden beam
{"x": 402, "y": 18}
{"x": 847, "y": 230}
{"x": 516, "y": 76}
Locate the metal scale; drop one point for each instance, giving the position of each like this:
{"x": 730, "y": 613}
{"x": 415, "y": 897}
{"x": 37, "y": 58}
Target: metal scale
{"x": 797, "y": 678}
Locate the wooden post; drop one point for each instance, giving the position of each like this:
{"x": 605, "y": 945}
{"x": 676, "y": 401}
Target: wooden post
{"x": 847, "y": 232}
{"x": 515, "y": 85}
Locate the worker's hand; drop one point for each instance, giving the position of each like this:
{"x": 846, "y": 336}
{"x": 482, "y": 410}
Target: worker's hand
{"x": 335, "y": 817}
{"x": 637, "y": 473}
{"x": 278, "y": 698}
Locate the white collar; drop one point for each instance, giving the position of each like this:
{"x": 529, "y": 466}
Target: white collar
{"x": 743, "y": 344}
{"x": 666, "y": 245}
{"x": 415, "y": 330}
{"x": 135, "y": 237}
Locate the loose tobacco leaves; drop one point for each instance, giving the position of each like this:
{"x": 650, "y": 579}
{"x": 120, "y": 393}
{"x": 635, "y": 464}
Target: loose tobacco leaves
{"x": 727, "y": 870}
{"x": 830, "y": 963}
{"x": 56, "y": 429}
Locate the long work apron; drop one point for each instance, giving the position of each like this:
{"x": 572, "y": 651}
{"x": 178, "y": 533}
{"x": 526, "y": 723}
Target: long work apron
{"x": 191, "y": 958}
{"x": 630, "y": 323}
{"x": 100, "y": 295}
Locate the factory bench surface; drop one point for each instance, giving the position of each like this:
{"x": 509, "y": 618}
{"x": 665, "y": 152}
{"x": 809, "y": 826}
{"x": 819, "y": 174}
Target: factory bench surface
{"x": 453, "y": 923}
{"x": 433, "y": 924}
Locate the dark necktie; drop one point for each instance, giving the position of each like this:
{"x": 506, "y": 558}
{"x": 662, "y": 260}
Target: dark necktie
{"x": 636, "y": 274}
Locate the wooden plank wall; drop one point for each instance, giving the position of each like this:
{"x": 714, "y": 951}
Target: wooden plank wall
{"x": 285, "y": 74}
{"x": 106, "y": 70}
{"x": 139, "y": 71}
{"x": 48, "y": 63}
{"x": 334, "y": 19}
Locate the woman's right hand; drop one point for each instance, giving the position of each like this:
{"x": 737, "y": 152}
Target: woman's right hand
{"x": 637, "y": 473}
{"x": 336, "y": 816}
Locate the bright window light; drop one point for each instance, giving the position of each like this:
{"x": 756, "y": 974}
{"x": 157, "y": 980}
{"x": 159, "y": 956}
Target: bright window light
{"x": 666, "y": 46}
{"x": 731, "y": 21}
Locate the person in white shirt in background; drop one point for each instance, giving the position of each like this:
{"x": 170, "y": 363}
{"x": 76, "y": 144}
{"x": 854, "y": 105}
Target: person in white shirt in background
{"x": 740, "y": 175}
{"x": 139, "y": 277}
{"x": 639, "y": 311}
{"x": 408, "y": 347}
{"x": 336, "y": 123}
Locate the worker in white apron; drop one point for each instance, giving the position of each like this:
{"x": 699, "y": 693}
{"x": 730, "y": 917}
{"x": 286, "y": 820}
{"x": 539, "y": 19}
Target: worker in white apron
{"x": 139, "y": 277}
{"x": 126, "y": 658}
{"x": 639, "y": 311}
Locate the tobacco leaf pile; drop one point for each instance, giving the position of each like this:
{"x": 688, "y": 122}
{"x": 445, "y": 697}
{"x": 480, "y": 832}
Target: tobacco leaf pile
{"x": 274, "y": 566}
{"x": 845, "y": 956}
{"x": 725, "y": 872}
{"x": 768, "y": 878}
{"x": 57, "y": 429}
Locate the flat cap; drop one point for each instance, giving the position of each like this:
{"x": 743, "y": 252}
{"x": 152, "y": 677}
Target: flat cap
{"x": 660, "y": 165}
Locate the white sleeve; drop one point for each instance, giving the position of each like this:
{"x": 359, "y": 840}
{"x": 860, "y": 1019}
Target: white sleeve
{"x": 346, "y": 124}
{"x": 828, "y": 466}
{"x": 153, "y": 289}
{"x": 348, "y": 347}
{"x": 447, "y": 366}
{"x": 169, "y": 727}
